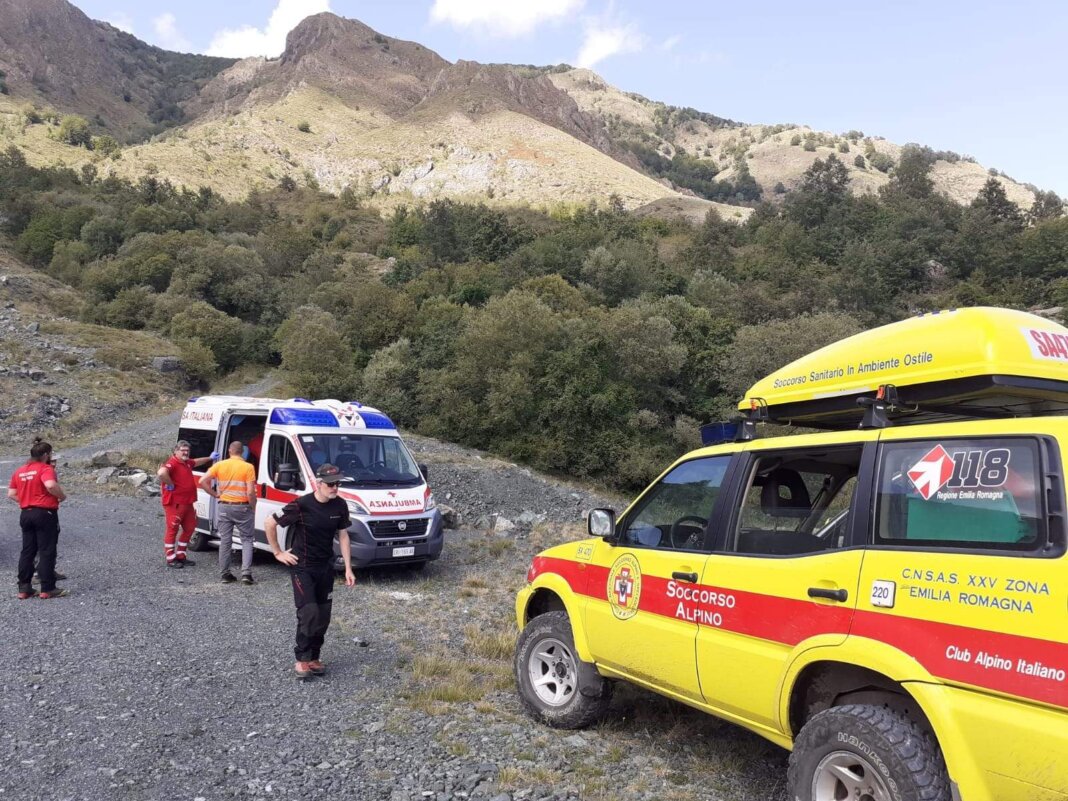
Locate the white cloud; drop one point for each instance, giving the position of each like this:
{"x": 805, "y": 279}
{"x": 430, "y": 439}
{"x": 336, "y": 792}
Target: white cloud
{"x": 121, "y": 21}
{"x": 502, "y": 17}
{"x": 167, "y": 34}
{"x": 603, "y": 41}
{"x": 271, "y": 39}
{"x": 670, "y": 42}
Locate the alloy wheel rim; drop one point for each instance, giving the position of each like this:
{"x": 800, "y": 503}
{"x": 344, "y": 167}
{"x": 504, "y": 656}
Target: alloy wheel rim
{"x": 553, "y": 673}
{"x": 848, "y": 776}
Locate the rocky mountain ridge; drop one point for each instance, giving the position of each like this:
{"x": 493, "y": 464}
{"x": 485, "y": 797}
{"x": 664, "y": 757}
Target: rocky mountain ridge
{"x": 347, "y": 107}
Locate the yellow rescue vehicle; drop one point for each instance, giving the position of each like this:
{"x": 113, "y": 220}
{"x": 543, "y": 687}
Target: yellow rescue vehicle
{"x": 887, "y": 598}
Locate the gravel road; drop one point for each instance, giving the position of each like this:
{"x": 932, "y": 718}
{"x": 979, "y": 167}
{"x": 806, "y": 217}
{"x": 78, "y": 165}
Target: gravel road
{"x": 152, "y": 684}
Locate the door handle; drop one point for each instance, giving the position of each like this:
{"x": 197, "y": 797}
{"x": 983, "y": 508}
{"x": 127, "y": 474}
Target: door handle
{"x": 263, "y": 489}
{"x": 830, "y": 595}
{"x": 690, "y": 577}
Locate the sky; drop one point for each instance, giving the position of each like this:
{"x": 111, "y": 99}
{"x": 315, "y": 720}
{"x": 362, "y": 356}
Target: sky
{"x": 981, "y": 78}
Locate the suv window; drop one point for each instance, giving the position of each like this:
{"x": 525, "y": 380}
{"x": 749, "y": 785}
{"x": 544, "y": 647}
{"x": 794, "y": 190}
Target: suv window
{"x": 965, "y": 493}
{"x": 280, "y": 451}
{"x": 798, "y": 502}
{"x": 674, "y": 513}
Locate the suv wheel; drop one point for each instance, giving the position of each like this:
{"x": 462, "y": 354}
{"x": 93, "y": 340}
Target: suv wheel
{"x": 555, "y": 686}
{"x": 866, "y": 752}
{"x": 198, "y": 541}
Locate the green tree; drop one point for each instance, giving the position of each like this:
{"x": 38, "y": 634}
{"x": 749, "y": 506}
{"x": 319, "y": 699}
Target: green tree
{"x": 912, "y": 173}
{"x": 106, "y": 145}
{"x": 993, "y": 199}
{"x": 316, "y": 358}
{"x": 761, "y": 349}
{"x": 1047, "y": 206}
{"x": 74, "y": 130}
{"x": 225, "y": 335}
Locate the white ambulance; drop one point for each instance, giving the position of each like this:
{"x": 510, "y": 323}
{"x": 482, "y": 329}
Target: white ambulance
{"x": 394, "y": 516}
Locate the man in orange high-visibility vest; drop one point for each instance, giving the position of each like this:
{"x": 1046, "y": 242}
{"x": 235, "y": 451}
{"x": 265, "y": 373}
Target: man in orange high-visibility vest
{"x": 236, "y": 491}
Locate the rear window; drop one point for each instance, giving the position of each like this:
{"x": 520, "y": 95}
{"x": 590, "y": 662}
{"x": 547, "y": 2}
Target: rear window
{"x": 966, "y": 493}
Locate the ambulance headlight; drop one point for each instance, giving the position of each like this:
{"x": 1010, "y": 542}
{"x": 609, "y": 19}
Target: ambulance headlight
{"x": 356, "y": 508}
{"x": 430, "y": 503}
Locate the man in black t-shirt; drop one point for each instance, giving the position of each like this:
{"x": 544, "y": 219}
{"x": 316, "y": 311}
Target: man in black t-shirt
{"x": 313, "y": 520}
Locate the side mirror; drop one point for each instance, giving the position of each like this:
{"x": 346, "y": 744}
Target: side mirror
{"x": 602, "y": 523}
{"x": 286, "y": 477}
{"x": 425, "y": 471}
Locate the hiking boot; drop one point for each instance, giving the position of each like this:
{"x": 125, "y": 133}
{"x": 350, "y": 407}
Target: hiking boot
{"x": 317, "y": 667}
{"x": 56, "y": 593}
{"x": 184, "y": 561}
{"x": 174, "y": 563}
{"x": 228, "y": 578}
{"x": 302, "y": 669}
{"x": 26, "y": 594}
{"x": 248, "y": 580}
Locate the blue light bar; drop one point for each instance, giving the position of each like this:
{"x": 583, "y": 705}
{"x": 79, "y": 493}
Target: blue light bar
{"x": 303, "y": 417}
{"x": 376, "y": 420}
{"x": 718, "y": 433}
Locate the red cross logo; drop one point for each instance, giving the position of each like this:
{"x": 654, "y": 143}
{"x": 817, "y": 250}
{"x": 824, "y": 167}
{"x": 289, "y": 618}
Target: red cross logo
{"x": 391, "y": 494}
{"x": 624, "y": 586}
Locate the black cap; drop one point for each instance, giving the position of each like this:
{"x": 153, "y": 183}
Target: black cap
{"x": 329, "y": 474}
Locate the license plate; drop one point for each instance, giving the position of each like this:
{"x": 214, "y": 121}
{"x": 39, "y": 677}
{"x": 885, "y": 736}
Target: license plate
{"x": 409, "y": 551}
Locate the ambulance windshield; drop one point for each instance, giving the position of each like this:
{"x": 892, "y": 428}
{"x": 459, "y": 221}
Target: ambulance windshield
{"x": 370, "y": 461}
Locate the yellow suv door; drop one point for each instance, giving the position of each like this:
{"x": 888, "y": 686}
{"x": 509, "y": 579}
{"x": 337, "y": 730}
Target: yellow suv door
{"x": 784, "y": 575}
{"x": 966, "y": 576}
{"x": 633, "y": 624}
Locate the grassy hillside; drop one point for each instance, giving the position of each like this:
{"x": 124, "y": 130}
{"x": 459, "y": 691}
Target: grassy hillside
{"x": 774, "y": 155}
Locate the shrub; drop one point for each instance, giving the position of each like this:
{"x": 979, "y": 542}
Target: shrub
{"x": 843, "y": 146}
{"x": 795, "y": 140}
{"x": 32, "y": 115}
{"x": 304, "y": 127}
{"x": 106, "y": 145}
{"x": 74, "y": 130}
{"x": 198, "y": 362}
{"x": 779, "y": 189}
{"x": 881, "y": 161}
{"x": 3, "y": 83}
{"x": 287, "y": 184}
{"x": 859, "y": 162}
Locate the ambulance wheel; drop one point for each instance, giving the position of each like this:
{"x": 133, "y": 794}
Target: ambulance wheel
{"x": 199, "y": 541}
{"x": 555, "y": 686}
{"x": 860, "y": 751}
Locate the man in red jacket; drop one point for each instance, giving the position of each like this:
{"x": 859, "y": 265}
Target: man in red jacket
{"x": 178, "y": 491}
{"x": 35, "y": 488}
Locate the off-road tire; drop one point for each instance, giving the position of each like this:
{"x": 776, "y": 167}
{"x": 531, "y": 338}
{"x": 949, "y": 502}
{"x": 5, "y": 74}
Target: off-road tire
{"x": 198, "y": 541}
{"x": 906, "y": 755}
{"x": 592, "y": 692}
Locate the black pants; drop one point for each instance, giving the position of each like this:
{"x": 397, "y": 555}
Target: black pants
{"x": 40, "y": 537}
{"x": 313, "y": 586}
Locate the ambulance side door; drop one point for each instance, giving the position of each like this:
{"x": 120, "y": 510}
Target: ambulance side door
{"x": 278, "y": 450}
{"x": 785, "y": 572}
{"x": 660, "y": 548}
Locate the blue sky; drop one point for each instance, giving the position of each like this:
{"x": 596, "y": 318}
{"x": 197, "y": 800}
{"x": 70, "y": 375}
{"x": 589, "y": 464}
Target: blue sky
{"x": 982, "y": 78}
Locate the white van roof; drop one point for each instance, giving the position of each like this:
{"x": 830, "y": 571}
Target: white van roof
{"x": 202, "y": 412}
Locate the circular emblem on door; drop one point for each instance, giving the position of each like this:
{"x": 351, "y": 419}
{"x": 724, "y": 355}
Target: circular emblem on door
{"x": 402, "y": 525}
{"x": 624, "y": 587}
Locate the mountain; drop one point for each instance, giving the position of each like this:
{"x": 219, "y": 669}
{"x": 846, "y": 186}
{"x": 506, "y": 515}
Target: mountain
{"x": 347, "y": 107}
{"x": 54, "y": 54}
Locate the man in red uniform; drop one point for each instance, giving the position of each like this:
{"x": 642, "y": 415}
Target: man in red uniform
{"x": 35, "y": 488}
{"x": 178, "y": 490}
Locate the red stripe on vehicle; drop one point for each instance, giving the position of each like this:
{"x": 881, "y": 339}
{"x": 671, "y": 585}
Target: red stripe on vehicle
{"x": 1027, "y": 667}
{"x": 280, "y": 495}
{"x": 1008, "y": 663}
